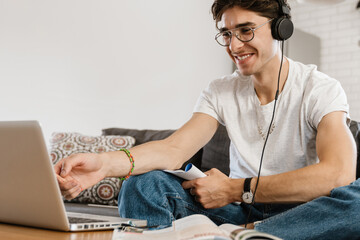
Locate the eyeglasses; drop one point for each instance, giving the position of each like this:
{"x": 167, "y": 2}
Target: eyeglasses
{"x": 244, "y": 34}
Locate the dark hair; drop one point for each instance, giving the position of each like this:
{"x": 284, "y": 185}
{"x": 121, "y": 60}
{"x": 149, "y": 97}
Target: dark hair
{"x": 265, "y": 8}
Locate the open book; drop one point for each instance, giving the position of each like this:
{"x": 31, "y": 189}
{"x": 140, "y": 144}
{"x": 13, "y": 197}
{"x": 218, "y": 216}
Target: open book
{"x": 191, "y": 172}
{"x": 194, "y": 227}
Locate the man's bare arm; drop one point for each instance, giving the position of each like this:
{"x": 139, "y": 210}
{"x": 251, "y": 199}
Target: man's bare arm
{"x": 169, "y": 153}
{"x": 337, "y": 163}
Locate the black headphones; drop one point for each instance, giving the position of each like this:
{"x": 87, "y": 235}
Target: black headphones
{"x": 282, "y": 27}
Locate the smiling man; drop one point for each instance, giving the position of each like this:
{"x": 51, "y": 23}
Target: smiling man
{"x": 282, "y": 116}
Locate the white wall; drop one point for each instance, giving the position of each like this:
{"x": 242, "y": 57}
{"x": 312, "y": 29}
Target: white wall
{"x": 84, "y": 65}
{"x": 338, "y": 27}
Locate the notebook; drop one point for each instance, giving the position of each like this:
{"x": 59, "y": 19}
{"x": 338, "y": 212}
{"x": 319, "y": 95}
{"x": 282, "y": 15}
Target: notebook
{"x": 29, "y": 192}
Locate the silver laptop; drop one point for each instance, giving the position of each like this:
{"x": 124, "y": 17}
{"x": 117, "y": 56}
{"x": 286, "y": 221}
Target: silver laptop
{"x": 29, "y": 192}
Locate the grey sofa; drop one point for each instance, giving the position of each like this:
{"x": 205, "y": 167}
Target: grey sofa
{"x": 215, "y": 154}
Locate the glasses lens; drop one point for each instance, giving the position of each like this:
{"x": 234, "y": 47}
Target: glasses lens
{"x": 223, "y": 38}
{"x": 244, "y": 34}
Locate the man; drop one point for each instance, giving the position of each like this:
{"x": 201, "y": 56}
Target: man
{"x": 310, "y": 153}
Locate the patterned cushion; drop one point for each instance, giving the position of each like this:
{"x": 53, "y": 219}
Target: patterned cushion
{"x": 64, "y": 144}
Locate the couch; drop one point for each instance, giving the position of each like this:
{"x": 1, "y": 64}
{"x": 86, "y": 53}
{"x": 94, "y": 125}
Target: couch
{"x": 215, "y": 154}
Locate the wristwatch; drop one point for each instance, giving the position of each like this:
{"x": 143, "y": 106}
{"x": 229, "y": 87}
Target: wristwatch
{"x": 247, "y": 195}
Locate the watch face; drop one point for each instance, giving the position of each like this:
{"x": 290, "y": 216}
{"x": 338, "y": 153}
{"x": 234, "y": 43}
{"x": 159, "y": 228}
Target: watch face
{"x": 247, "y": 197}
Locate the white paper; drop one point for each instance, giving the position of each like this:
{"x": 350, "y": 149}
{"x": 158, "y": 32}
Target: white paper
{"x": 194, "y": 227}
{"x": 191, "y": 172}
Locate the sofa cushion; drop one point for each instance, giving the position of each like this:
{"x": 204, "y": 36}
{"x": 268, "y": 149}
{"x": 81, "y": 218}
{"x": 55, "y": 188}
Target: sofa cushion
{"x": 355, "y": 130}
{"x": 64, "y": 144}
{"x": 147, "y": 135}
{"x": 216, "y": 152}
{"x": 141, "y": 136}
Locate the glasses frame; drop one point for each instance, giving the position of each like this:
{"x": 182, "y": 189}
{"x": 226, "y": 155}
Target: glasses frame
{"x": 236, "y": 35}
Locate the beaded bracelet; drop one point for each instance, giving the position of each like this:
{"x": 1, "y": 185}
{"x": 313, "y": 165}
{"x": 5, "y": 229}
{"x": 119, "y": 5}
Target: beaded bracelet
{"x": 131, "y": 161}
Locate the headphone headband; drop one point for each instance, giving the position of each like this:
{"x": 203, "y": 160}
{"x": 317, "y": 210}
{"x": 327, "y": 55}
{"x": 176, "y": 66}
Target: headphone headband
{"x": 283, "y": 8}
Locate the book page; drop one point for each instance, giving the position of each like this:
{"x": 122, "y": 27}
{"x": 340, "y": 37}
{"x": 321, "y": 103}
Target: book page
{"x": 191, "y": 172}
{"x": 194, "y": 227}
{"x": 241, "y": 233}
{"x": 253, "y": 234}
{"x": 228, "y": 228}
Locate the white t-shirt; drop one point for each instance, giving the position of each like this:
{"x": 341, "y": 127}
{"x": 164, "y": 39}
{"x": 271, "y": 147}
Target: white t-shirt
{"x": 308, "y": 95}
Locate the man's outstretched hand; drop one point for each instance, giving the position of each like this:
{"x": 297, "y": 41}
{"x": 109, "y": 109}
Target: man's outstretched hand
{"x": 78, "y": 172}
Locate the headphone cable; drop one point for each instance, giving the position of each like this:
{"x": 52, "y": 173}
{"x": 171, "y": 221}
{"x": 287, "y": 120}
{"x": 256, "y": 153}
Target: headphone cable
{"x": 268, "y": 132}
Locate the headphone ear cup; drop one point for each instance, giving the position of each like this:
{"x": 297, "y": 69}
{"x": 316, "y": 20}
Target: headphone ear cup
{"x": 282, "y": 28}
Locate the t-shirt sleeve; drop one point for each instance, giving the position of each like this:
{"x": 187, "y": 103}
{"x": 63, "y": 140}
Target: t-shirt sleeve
{"x": 208, "y": 102}
{"x": 326, "y": 96}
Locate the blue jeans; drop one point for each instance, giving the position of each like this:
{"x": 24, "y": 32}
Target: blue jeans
{"x": 334, "y": 217}
{"x": 159, "y": 198}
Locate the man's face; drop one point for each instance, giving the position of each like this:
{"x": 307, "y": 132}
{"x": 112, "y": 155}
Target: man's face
{"x": 250, "y": 57}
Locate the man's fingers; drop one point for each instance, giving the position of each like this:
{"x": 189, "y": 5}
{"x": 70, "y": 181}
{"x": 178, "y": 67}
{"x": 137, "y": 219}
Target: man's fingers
{"x": 188, "y": 184}
{"x": 66, "y": 184}
{"x": 65, "y": 168}
{"x": 72, "y": 193}
{"x": 67, "y": 164}
{"x": 60, "y": 179}
{"x": 57, "y": 167}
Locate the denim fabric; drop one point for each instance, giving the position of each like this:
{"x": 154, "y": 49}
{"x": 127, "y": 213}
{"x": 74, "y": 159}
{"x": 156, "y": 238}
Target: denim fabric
{"x": 159, "y": 198}
{"x": 333, "y": 217}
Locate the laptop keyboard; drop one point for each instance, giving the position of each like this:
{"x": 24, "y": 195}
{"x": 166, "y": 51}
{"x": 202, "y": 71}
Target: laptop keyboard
{"x": 84, "y": 220}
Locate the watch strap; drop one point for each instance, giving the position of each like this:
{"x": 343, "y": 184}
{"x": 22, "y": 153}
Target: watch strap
{"x": 247, "y": 183}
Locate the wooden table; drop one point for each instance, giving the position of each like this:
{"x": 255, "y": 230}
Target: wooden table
{"x": 14, "y": 232}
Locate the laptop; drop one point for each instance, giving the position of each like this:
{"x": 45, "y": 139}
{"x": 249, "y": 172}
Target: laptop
{"x": 29, "y": 192}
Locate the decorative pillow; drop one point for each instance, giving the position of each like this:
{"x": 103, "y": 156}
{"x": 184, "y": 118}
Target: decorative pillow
{"x": 64, "y": 144}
